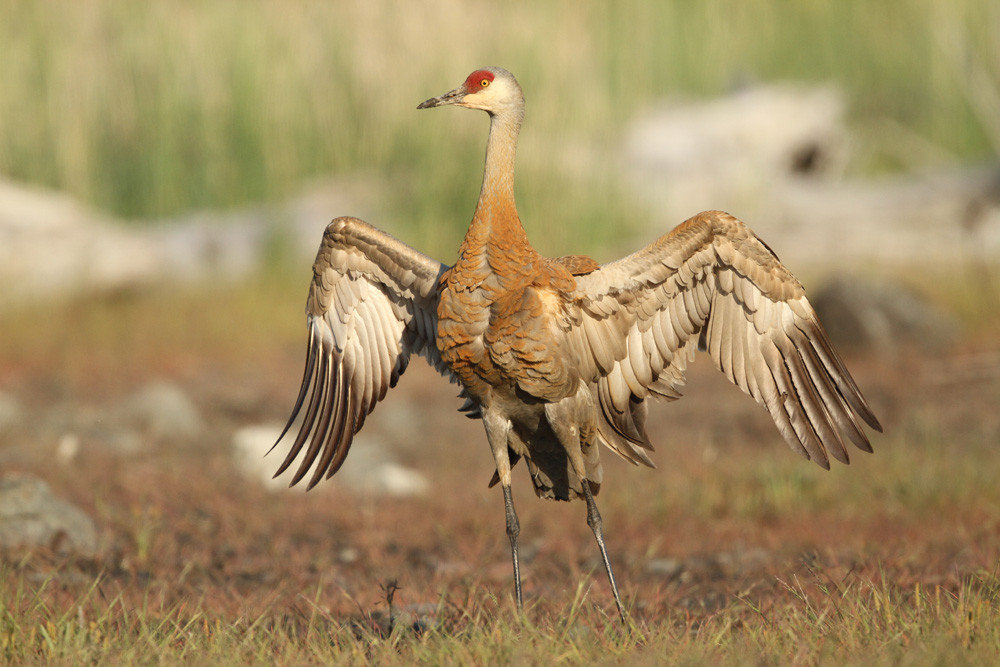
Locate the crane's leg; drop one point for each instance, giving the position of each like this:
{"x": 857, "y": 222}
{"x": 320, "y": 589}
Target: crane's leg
{"x": 513, "y": 530}
{"x": 497, "y": 432}
{"x": 566, "y": 418}
{"x": 594, "y": 521}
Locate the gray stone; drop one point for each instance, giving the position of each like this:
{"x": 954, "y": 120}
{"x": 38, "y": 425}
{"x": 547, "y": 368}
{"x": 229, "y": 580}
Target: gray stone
{"x": 54, "y": 246}
{"x": 251, "y": 445}
{"x": 664, "y": 567}
{"x": 31, "y": 516}
{"x": 163, "y": 411}
{"x": 775, "y": 129}
{"x": 775, "y": 156}
{"x": 75, "y": 427}
{"x": 880, "y": 315}
{"x": 370, "y": 468}
{"x": 942, "y": 218}
{"x": 733, "y": 152}
{"x": 11, "y": 412}
{"x": 400, "y": 423}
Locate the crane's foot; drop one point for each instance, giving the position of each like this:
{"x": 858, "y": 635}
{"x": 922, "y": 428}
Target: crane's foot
{"x": 513, "y": 530}
{"x": 594, "y": 521}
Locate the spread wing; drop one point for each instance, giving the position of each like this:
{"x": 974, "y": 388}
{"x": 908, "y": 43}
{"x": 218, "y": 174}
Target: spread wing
{"x": 711, "y": 284}
{"x": 372, "y": 303}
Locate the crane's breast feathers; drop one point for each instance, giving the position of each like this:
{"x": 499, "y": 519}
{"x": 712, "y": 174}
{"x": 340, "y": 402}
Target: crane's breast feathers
{"x": 526, "y": 339}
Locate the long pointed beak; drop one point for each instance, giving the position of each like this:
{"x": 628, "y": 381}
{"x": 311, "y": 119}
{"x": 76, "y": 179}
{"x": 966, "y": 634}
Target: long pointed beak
{"x": 451, "y": 97}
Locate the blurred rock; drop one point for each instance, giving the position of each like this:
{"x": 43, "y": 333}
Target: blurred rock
{"x": 163, "y": 411}
{"x": 399, "y": 620}
{"x": 944, "y": 217}
{"x": 393, "y": 479}
{"x": 401, "y": 426}
{"x": 710, "y": 566}
{"x": 11, "y": 412}
{"x": 879, "y": 315}
{"x": 210, "y": 244}
{"x": 730, "y": 153}
{"x": 51, "y": 245}
{"x": 231, "y": 244}
{"x": 664, "y": 567}
{"x": 761, "y": 132}
{"x": 369, "y": 469}
{"x": 774, "y": 156}
{"x": 418, "y": 617}
{"x": 31, "y": 516}
{"x": 348, "y": 555}
{"x": 250, "y": 447}
{"x": 68, "y": 448}
{"x": 305, "y": 217}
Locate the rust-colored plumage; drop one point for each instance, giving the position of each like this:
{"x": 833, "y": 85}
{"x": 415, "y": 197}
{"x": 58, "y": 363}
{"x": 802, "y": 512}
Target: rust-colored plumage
{"x": 558, "y": 356}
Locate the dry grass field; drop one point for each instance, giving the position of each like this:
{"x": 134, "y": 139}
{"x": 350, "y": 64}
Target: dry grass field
{"x": 734, "y": 549}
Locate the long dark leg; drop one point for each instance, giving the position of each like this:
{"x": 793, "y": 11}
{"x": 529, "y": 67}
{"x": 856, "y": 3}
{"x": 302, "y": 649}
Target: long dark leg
{"x": 594, "y": 521}
{"x": 513, "y": 530}
{"x": 498, "y": 433}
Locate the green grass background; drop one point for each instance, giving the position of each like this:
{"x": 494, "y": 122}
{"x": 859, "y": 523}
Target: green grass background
{"x": 152, "y": 109}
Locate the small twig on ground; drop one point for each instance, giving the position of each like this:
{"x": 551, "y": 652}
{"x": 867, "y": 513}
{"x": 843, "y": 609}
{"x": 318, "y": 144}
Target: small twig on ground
{"x": 389, "y": 589}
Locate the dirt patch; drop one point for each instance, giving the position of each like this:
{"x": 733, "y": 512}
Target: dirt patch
{"x": 730, "y": 517}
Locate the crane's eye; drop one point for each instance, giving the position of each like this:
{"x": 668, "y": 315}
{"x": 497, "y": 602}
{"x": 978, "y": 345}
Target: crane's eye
{"x": 484, "y": 83}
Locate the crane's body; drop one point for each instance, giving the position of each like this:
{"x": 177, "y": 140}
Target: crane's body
{"x": 558, "y": 356}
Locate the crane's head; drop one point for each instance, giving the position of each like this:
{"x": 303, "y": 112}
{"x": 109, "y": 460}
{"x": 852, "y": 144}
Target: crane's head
{"x": 492, "y": 89}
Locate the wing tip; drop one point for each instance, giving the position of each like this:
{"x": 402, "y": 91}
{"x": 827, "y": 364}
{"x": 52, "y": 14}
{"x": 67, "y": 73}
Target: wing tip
{"x": 873, "y": 422}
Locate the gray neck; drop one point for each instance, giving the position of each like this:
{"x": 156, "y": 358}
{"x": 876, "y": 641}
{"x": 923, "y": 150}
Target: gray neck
{"x": 498, "y": 177}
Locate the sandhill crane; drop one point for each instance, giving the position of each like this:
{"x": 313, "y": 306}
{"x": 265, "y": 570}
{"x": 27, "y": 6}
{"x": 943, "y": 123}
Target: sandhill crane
{"x": 558, "y": 356}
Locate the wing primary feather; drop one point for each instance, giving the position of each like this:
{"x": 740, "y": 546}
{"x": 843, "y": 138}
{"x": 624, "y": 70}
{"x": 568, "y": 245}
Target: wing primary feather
{"x": 348, "y": 427}
{"x": 394, "y": 355}
{"x": 364, "y": 352}
{"x": 838, "y": 408}
{"x": 337, "y": 446}
{"x": 656, "y": 360}
{"x": 817, "y": 415}
{"x": 797, "y": 414}
{"x": 754, "y": 362}
{"x": 785, "y": 403}
{"x": 845, "y": 383}
{"x": 373, "y": 328}
{"x": 716, "y": 334}
{"x": 307, "y": 375}
{"x": 737, "y": 329}
{"x": 330, "y": 392}
{"x": 379, "y": 350}
{"x": 320, "y": 436}
{"x": 315, "y": 400}
{"x": 656, "y": 327}
{"x": 638, "y": 363}
{"x": 771, "y": 399}
{"x": 386, "y": 350}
